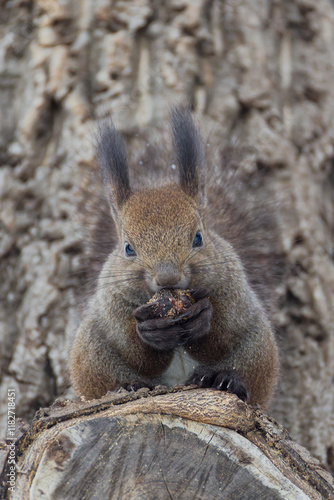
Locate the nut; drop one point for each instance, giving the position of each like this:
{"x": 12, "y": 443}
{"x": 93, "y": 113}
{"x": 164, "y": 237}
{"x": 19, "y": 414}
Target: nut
{"x": 170, "y": 303}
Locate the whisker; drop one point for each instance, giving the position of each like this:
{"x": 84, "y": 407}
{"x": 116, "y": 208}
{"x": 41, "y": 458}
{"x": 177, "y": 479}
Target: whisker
{"x": 117, "y": 282}
{"x": 128, "y": 278}
{"x": 190, "y": 254}
{"x": 206, "y": 263}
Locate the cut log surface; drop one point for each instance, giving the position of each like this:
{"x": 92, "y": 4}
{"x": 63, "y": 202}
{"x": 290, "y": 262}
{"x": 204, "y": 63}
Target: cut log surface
{"x": 181, "y": 443}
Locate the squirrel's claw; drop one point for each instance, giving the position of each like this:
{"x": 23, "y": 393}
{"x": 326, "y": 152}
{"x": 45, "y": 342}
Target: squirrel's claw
{"x": 137, "y": 384}
{"x": 222, "y": 380}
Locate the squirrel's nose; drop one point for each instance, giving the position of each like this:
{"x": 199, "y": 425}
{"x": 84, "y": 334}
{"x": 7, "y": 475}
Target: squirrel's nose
{"x": 167, "y": 275}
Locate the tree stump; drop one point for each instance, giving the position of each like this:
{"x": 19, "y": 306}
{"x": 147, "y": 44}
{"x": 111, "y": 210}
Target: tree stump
{"x": 181, "y": 443}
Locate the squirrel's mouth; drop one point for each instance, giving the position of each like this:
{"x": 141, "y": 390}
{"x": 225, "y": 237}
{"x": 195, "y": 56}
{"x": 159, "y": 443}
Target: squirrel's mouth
{"x": 155, "y": 284}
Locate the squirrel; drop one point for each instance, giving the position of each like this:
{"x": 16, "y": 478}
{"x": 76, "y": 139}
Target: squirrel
{"x": 165, "y": 241}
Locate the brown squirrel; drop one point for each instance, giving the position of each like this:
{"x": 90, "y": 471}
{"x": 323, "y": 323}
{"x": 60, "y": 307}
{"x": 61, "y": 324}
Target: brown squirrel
{"x": 227, "y": 341}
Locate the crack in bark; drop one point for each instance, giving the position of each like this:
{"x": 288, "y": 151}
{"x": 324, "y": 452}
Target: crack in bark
{"x": 162, "y": 471}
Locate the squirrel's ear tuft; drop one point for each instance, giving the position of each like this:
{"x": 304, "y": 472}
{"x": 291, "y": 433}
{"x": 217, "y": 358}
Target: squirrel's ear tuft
{"x": 189, "y": 152}
{"x": 111, "y": 156}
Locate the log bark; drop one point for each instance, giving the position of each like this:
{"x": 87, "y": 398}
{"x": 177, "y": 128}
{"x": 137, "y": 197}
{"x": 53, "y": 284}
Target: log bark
{"x": 187, "y": 443}
{"x": 259, "y": 70}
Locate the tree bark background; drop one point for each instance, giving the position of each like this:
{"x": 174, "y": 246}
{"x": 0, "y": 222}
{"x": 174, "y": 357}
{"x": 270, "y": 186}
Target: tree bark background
{"x": 259, "y": 70}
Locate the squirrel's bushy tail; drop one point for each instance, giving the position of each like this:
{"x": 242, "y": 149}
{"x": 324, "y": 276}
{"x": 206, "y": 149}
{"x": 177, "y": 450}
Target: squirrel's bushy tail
{"x": 243, "y": 209}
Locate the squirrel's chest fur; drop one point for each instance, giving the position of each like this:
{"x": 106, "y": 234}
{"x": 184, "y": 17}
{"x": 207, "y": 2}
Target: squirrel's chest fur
{"x": 181, "y": 367}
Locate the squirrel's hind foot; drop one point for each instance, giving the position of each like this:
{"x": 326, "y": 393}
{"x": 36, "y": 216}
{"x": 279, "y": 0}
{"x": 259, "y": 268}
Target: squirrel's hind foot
{"x": 137, "y": 384}
{"x": 222, "y": 380}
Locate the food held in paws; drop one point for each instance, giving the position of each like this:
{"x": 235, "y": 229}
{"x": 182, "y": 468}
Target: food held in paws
{"x": 170, "y": 303}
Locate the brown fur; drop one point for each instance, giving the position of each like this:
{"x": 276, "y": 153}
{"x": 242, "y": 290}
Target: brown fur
{"x": 160, "y": 224}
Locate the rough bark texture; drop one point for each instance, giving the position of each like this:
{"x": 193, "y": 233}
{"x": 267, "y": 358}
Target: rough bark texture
{"x": 184, "y": 443}
{"x": 258, "y": 70}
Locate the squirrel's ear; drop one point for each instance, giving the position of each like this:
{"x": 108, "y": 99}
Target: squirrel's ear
{"x": 111, "y": 156}
{"x": 189, "y": 153}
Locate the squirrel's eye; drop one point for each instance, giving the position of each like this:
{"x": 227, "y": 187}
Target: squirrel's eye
{"x": 129, "y": 251}
{"x": 198, "y": 241}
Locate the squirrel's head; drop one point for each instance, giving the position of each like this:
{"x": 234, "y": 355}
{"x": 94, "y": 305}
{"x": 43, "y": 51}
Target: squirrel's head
{"x": 161, "y": 230}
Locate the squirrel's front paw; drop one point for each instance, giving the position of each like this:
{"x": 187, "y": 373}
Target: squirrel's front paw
{"x": 223, "y": 380}
{"x": 167, "y": 333}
